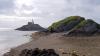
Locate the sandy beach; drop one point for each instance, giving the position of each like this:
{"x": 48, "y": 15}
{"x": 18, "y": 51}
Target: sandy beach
{"x": 89, "y": 46}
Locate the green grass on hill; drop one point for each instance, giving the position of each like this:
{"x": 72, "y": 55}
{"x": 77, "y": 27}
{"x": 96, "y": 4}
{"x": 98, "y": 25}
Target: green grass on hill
{"x": 65, "y": 21}
{"x": 84, "y": 22}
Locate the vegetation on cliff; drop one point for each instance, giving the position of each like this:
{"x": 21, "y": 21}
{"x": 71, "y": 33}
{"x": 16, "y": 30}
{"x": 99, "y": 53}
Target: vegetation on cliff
{"x": 75, "y": 24}
{"x": 65, "y": 21}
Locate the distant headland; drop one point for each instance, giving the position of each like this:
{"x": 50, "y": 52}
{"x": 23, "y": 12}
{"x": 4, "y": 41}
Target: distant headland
{"x": 31, "y": 26}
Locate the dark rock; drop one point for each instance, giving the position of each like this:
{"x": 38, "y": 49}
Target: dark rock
{"x": 90, "y": 27}
{"x": 98, "y": 31}
{"x": 51, "y": 52}
{"x": 67, "y": 27}
{"x": 38, "y": 52}
{"x": 7, "y": 54}
{"x": 86, "y": 30}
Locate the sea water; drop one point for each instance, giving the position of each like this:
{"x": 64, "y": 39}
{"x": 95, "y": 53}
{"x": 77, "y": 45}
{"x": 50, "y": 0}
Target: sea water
{"x": 12, "y": 38}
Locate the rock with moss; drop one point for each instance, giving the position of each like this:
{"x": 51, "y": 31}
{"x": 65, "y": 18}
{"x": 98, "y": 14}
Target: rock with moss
{"x": 86, "y": 27}
{"x": 66, "y": 24}
{"x": 74, "y": 25}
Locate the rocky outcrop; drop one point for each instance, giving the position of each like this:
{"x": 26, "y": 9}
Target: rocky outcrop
{"x": 66, "y": 24}
{"x": 38, "y": 52}
{"x": 33, "y": 52}
{"x": 31, "y": 27}
{"x": 75, "y": 25}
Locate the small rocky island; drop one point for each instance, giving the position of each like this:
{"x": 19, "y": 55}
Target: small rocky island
{"x": 31, "y": 26}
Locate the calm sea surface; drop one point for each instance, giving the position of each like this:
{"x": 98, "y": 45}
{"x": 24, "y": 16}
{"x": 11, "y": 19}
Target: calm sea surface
{"x": 12, "y": 38}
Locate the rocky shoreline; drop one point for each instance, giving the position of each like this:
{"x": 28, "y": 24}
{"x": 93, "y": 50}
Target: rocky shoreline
{"x": 60, "y": 43}
{"x": 72, "y": 36}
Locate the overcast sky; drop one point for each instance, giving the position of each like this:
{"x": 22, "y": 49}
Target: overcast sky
{"x": 14, "y": 13}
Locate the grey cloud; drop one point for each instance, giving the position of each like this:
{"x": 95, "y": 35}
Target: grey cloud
{"x": 81, "y": 7}
{"x": 57, "y": 7}
{"x": 6, "y": 6}
{"x": 94, "y": 2}
{"x": 27, "y": 7}
{"x": 63, "y": 8}
{"x": 53, "y": 10}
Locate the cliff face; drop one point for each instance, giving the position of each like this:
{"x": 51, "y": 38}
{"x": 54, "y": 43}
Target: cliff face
{"x": 74, "y": 25}
{"x": 31, "y": 27}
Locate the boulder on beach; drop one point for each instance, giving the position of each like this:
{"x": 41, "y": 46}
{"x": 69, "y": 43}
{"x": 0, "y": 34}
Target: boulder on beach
{"x": 38, "y": 52}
